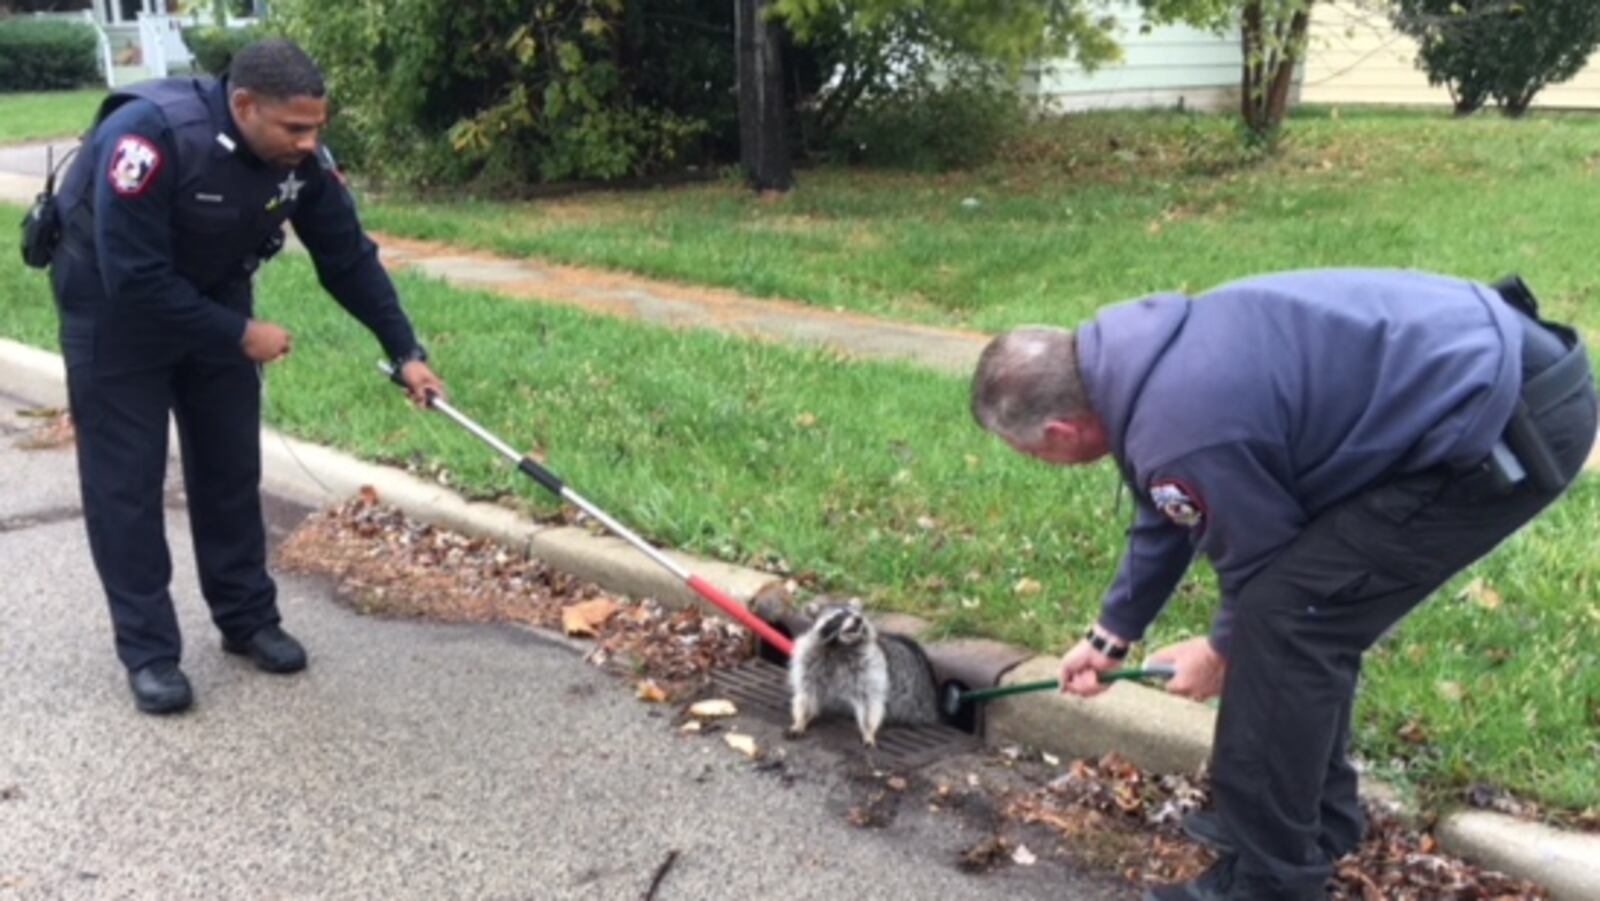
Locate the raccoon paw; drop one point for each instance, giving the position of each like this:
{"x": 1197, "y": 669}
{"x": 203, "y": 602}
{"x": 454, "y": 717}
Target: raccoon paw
{"x": 794, "y": 732}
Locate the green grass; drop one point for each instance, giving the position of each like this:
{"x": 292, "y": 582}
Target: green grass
{"x": 29, "y": 116}
{"x": 1090, "y": 209}
{"x": 872, "y": 477}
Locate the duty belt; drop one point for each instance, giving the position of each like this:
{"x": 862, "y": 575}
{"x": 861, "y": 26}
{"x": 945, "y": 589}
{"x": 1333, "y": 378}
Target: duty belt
{"x": 1523, "y": 454}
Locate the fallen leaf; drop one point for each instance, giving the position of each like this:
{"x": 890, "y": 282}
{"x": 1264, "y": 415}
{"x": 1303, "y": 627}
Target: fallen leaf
{"x": 1050, "y": 758}
{"x": 896, "y": 783}
{"x": 692, "y": 727}
{"x": 742, "y": 743}
{"x": 650, "y": 692}
{"x": 1479, "y": 592}
{"x": 1449, "y": 690}
{"x": 806, "y": 420}
{"x": 369, "y": 495}
{"x": 587, "y": 618}
{"x": 1413, "y": 732}
{"x": 41, "y": 412}
{"x": 1023, "y": 856}
{"x": 713, "y": 709}
{"x": 1027, "y": 586}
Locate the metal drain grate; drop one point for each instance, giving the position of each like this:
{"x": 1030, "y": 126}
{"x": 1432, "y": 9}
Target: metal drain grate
{"x": 760, "y": 688}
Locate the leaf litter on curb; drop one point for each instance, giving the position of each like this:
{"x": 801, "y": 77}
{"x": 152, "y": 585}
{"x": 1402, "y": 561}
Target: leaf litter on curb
{"x": 1113, "y": 814}
{"x": 387, "y": 564}
{"x": 54, "y": 431}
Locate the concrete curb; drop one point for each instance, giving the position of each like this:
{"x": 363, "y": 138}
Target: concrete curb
{"x": 1149, "y": 727}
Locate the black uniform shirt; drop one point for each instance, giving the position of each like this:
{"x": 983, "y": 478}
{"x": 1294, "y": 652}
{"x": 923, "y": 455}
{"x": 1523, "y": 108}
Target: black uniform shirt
{"x": 181, "y": 207}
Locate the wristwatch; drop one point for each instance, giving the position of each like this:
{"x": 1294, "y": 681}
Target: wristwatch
{"x": 417, "y": 354}
{"x": 1104, "y": 645}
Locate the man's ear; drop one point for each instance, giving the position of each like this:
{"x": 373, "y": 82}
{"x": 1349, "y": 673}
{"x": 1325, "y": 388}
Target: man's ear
{"x": 241, "y": 101}
{"x": 1059, "y": 430}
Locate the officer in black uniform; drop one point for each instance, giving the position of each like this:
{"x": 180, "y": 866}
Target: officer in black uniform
{"x": 179, "y": 191}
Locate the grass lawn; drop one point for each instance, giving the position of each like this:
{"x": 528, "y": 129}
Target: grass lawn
{"x": 1090, "y": 209}
{"x": 872, "y": 477}
{"x": 28, "y": 116}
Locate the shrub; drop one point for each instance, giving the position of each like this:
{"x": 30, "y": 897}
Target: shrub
{"x": 1508, "y": 51}
{"x": 931, "y": 127}
{"x": 503, "y": 92}
{"x": 214, "y": 47}
{"x": 46, "y": 54}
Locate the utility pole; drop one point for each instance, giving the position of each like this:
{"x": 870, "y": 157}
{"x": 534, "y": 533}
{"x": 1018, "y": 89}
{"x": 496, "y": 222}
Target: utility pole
{"x": 763, "y": 142}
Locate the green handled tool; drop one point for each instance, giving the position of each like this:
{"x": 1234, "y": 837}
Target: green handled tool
{"x": 955, "y": 698}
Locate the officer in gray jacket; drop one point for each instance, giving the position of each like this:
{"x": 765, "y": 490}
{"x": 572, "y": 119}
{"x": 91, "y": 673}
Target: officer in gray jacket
{"x": 181, "y": 188}
{"x": 1338, "y": 443}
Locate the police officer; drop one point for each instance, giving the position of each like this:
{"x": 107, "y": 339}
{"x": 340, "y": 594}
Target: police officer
{"x": 1338, "y": 444}
{"x": 180, "y": 189}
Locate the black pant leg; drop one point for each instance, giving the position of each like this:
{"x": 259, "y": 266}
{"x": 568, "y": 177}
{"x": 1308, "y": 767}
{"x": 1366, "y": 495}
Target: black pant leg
{"x": 1302, "y": 625}
{"x": 218, "y": 410}
{"x": 121, "y": 424}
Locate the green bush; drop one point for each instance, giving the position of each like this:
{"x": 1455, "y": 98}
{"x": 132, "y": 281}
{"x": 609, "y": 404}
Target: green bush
{"x": 46, "y": 54}
{"x": 214, "y": 47}
{"x": 1508, "y": 51}
{"x": 499, "y": 92}
{"x": 933, "y": 127}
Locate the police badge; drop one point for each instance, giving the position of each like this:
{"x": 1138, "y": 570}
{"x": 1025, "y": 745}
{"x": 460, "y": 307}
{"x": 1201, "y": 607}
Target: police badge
{"x": 134, "y": 163}
{"x": 1177, "y": 502}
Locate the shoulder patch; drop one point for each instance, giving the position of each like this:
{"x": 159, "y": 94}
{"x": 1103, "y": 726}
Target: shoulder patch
{"x": 1178, "y": 502}
{"x": 134, "y": 164}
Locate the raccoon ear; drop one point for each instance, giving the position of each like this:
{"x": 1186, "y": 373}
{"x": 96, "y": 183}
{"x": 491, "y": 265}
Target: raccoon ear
{"x": 811, "y": 610}
{"x": 855, "y": 604}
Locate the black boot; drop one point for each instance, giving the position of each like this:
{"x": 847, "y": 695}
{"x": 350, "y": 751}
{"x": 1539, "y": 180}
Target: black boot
{"x": 1205, "y": 827}
{"x": 1214, "y": 884}
{"x": 160, "y": 687}
{"x": 272, "y": 649}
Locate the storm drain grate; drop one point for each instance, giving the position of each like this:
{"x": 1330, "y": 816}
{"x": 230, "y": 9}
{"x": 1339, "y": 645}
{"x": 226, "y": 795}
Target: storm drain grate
{"x": 760, "y": 688}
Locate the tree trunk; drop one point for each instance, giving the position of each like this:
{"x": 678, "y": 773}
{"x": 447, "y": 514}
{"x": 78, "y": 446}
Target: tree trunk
{"x": 763, "y": 140}
{"x": 1269, "y": 66}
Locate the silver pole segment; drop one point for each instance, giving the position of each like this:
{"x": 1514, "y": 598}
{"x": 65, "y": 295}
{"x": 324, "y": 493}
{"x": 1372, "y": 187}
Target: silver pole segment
{"x": 624, "y": 533}
{"x": 488, "y": 437}
{"x": 567, "y": 494}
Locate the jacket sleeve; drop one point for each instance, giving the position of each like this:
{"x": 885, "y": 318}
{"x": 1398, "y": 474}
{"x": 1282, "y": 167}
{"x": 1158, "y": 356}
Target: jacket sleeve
{"x": 1234, "y": 500}
{"x": 347, "y": 260}
{"x": 135, "y": 184}
{"x": 1154, "y": 558}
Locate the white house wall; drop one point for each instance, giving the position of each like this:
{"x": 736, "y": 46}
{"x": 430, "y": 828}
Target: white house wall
{"x": 1173, "y": 65}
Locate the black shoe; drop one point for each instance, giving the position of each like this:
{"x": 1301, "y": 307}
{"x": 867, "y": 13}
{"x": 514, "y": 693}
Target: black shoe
{"x": 160, "y": 687}
{"x": 273, "y": 650}
{"x": 1212, "y": 885}
{"x": 1205, "y": 827}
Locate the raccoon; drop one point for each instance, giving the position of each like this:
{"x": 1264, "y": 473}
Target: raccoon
{"x": 842, "y": 664}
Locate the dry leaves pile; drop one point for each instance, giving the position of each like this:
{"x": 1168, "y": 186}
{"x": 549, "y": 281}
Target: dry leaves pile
{"x": 55, "y": 430}
{"x": 1110, "y": 812}
{"x": 387, "y": 564}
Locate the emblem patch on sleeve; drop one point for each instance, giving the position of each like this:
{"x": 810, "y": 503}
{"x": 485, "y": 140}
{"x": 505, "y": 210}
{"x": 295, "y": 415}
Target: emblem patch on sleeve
{"x": 134, "y": 163}
{"x": 1178, "y": 502}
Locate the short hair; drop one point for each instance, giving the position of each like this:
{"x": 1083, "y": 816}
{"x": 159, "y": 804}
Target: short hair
{"x": 1028, "y": 377}
{"x": 278, "y": 69}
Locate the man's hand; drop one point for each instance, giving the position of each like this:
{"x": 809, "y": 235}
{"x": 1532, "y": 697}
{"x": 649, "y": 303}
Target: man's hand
{"x": 1198, "y": 668}
{"x": 1081, "y": 667}
{"x": 264, "y": 342}
{"x": 421, "y": 383}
